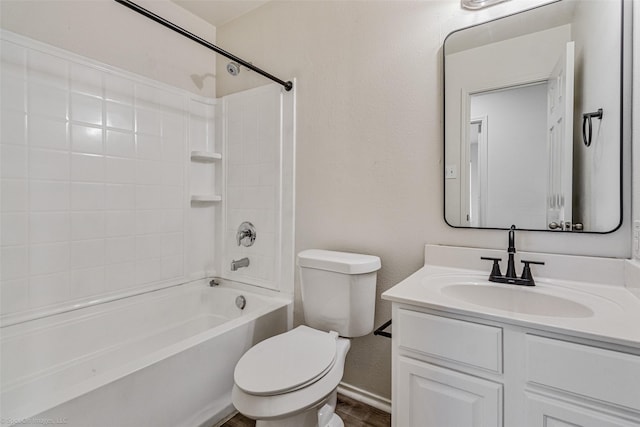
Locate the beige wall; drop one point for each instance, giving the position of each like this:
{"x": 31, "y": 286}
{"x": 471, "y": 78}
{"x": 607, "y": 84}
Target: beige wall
{"x": 108, "y": 32}
{"x": 369, "y": 138}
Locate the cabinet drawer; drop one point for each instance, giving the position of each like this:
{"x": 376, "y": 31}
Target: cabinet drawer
{"x": 450, "y": 339}
{"x": 606, "y": 375}
{"x": 545, "y": 411}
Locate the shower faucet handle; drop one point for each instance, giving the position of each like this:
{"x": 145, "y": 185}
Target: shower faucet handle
{"x": 246, "y": 234}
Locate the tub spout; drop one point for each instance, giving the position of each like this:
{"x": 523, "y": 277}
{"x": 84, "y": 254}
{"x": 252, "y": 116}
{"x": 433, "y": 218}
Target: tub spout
{"x": 235, "y": 265}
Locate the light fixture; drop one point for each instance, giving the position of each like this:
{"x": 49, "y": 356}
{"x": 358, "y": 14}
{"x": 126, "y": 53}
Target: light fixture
{"x": 478, "y": 4}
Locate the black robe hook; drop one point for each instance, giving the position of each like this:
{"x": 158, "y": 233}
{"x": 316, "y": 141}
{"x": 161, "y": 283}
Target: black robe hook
{"x": 586, "y": 117}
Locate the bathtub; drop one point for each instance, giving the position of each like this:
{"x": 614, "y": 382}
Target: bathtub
{"x": 164, "y": 358}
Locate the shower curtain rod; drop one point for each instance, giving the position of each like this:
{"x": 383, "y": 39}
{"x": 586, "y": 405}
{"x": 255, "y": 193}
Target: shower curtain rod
{"x": 288, "y": 85}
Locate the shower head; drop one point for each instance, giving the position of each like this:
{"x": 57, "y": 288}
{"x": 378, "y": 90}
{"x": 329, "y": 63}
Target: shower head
{"x": 198, "y": 79}
{"x": 233, "y": 68}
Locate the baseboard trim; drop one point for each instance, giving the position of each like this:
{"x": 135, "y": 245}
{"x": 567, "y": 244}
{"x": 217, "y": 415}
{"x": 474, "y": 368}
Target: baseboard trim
{"x": 366, "y": 397}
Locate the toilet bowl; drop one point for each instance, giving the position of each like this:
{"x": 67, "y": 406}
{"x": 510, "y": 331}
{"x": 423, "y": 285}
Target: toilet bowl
{"x": 290, "y": 380}
{"x": 301, "y": 387}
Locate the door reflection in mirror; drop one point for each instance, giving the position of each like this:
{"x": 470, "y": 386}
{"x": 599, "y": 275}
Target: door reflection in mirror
{"x": 542, "y": 177}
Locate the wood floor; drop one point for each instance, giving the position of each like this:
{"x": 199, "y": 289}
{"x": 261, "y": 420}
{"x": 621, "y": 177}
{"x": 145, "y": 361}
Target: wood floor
{"x": 352, "y": 412}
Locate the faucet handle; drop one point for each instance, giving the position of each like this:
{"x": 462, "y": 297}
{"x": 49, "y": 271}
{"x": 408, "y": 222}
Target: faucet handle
{"x": 495, "y": 269}
{"x": 526, "y": 271}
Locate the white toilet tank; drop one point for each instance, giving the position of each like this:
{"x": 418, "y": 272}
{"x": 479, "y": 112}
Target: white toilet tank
{"x": 338, "y": 291}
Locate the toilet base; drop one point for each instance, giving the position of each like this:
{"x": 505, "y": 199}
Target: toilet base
{"x": 335, "y": 421}
{"x": 319, "y": 416}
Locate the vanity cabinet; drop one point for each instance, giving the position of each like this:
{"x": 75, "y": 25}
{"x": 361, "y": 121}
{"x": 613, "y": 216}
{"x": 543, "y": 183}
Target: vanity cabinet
{"x": 456, "y": 370}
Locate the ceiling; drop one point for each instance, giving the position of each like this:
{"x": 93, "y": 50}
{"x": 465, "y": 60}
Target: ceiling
{"x": 219, "y": 12}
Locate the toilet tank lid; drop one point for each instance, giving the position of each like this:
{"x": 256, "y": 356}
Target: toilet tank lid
{"x": 339, "y": 262}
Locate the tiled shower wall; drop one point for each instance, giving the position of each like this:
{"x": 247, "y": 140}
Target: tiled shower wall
{"x": 254, "y": 147}
{"x": 94, "y": 196}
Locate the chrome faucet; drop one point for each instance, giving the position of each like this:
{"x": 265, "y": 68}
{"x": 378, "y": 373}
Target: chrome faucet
{"x": 511, "y": 277}
{"x": 235, "y": 265}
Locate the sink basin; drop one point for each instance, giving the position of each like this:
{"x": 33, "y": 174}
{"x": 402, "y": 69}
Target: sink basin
{"x": 516, "y": 299}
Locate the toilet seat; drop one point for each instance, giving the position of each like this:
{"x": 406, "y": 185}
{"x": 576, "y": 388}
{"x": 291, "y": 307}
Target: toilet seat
{"x": 286, "y": 362}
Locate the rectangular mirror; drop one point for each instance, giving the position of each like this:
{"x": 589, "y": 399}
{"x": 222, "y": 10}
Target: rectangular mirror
{"x": 532, "y": 122}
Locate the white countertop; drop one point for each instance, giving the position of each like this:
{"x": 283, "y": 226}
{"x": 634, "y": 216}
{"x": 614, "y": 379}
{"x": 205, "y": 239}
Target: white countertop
{"x": 613, "y": 313}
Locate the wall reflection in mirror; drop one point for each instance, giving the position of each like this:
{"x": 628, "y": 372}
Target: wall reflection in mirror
{"x": 516, "y": 91}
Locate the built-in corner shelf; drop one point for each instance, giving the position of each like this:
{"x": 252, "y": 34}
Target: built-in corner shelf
{"x": 205, "y": 198}
{"x": 205, "y": 156}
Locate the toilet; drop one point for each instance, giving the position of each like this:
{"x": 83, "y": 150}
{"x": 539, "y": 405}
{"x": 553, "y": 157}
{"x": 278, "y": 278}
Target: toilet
{"x": 291, "y": 379}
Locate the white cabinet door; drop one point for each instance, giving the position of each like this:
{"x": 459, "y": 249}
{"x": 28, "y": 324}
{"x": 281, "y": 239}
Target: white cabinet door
{"x": 430, "y": 396}
{"x": 548, "y": 412}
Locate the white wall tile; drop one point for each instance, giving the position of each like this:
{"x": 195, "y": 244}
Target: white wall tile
{"x": 49, "y": 227}
{"x": 172, "y": 174}
{"x": 171, "y": 197}
{"x": 86, "y": 139}
{"x": 88, "y": 225}
{"x": 48, "y": 196}
{"x": 118, "y": 276}
{"x": 120, "y": 223}
{"x": 120, "y": 170}
{"x": 48, "y": 258}
{"x": 87, "y": 282}
{"x": 120, "y": 196}
{"x": 13, "y": 54}
{"x": 198, "y": 133}
{"x": 14, "y": 295}
{"x": 148, "y": 147}
{"x": 48, "y": 289}
{"x": 148, "y": 122}
{"x": 149, "y": 197}
{"x": 253, "y": 144}
{"x": 173, "y": 150}
{"x": 14, "y": 262}
{"x": 172, "y": 267}
{"x": 85, "y": 108}
{"x": 87, "y": 196}
{"x": 12, "y": 127}
{"x": 120, "y": 249}
{"x": 47, "y": 68}
{"x": 172, "y": 244}
{"x": 13, "y": 195}
{"x": 13, "y": 161}
{"x": 85, "y": 79}
{"x": 148, "y": 172}
{"x": 48, "y": 101}
{"x": 173, "y": 220}
{"x": 13, "y": 228}
{"x": 87, "y": 168}
{"x": 48, "y": 133}
{"x": 14, "y": 91}
{"x": 121, "y": 144}
{"x": 174, "y": 127}
{"x": 48, "y": 164}
{"x": 119, "y": 89}
{"x": 235, "y": 176}
{"x": 148, "y": 271}
{"x": 148, "y": 246}
{"x": 119, "y": 115}
{"x": 150, "y": 221}
{"x": 87, "y": 253}
{"x": 92, "y": 168}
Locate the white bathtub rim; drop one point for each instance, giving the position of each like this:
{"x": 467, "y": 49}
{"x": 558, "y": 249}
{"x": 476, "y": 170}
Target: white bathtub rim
{"x": 34, "y": 408}
{"x": 12, "y": 319}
